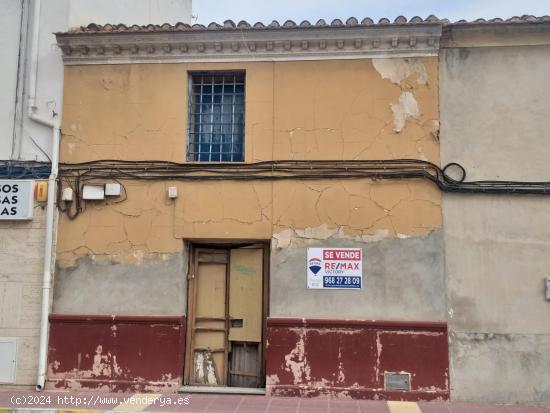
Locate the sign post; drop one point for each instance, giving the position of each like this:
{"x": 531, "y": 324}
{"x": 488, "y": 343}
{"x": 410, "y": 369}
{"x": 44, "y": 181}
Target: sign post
{"x": 334, "y": 268}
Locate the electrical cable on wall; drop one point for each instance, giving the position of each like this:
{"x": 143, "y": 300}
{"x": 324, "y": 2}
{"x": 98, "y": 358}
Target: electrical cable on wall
{"x": 300, "y": 170}
{"x": 449, "y": 179}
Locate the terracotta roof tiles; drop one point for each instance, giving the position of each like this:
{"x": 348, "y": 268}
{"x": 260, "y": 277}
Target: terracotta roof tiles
{"x": 290, "y": 24}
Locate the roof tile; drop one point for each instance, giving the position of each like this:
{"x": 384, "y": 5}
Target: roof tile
{"x": 290, "y": 24}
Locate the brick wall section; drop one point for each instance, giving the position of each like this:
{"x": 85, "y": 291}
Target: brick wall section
{"x": 21, "y": 258}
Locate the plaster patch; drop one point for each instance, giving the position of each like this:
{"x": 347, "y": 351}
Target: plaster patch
{"x": 378, "y": 352}
{"x": 397, "y": 70}
{"x": 407, "y": 107}
{"x": 272, "y": 379}
{"x": 104, "y": 364}
{"x": 296, "y": 361}
{"x": 341, "y": 377}
{"x": 308, "y": 236}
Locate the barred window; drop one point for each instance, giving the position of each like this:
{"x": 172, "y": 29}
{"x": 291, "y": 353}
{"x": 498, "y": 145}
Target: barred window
{"x": 216, "y": 117}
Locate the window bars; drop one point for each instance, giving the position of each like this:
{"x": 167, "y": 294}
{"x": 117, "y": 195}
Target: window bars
{"x": 216, "y": 117}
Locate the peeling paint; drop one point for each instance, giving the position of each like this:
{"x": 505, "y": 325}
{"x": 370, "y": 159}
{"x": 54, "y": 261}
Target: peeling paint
{"x": 105, "y": 364}
{"x": 378, "y": 352}
{"x": 296, "y": 362}
{"x": 397, "y": 69}
{"x": 272, "y": 379}
{"x": 204, "y": 368}
{"x": 341, "y": 376}
{"x": 308, "y": 236}
{"x": 116, "y": 364}
{"x": 349, "y": 362}
{"x": 407, "y": 107}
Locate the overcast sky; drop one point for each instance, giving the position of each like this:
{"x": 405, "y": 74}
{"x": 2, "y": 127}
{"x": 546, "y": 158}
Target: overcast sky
{"x": 206, "y": 11}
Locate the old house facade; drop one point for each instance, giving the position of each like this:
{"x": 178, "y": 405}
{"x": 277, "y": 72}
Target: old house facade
{"x": 211, "y": 175}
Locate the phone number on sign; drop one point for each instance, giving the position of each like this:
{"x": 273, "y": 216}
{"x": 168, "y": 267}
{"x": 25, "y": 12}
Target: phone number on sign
{"x": 342, "y": 282}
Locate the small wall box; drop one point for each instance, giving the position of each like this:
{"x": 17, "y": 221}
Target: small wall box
{"x": 112, "y": 189}
{"x": 41, "y": 191}
{"x": 172, "y": 192}
{"x": 547, "y": 288}
{"x": 67, "y": 194}
{"x": 93, "y": 192}
{"x": 8, "y": 359}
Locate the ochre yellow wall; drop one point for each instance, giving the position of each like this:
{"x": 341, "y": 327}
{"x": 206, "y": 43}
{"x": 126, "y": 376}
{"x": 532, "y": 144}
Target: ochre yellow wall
{"x": 294, "y": 110}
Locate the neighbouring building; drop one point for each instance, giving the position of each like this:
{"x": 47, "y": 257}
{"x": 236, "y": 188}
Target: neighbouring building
{"x": 31, "y": 80}
{"x": 268, "y": 207}
{"x": 494, "y": 91}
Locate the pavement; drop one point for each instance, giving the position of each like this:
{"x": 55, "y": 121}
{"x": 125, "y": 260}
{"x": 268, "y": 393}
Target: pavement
{"x": 94, "y": 402}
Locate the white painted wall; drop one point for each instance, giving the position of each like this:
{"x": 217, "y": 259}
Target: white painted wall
{"x": 16, "y": 132}
{"x": 129, "y": 12}
{"x": 10, "y": 21}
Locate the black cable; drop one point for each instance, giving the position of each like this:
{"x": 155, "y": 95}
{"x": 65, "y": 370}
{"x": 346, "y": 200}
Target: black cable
{"x": 298, "y": 170}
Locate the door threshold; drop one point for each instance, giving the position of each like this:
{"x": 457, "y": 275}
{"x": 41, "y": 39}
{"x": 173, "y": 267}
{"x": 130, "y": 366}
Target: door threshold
{"x": 221, "y": 390}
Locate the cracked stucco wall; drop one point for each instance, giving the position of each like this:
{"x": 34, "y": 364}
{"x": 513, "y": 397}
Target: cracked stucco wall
{"x": 495, "y": 99}
{"x": 353, "y": 109}
{"x": 294, "y": 110}
{"x": 122, "y": 258}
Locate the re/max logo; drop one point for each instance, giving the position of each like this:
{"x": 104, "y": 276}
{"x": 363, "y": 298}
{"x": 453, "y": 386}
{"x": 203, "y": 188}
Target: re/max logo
{"x": 341, "y": 266}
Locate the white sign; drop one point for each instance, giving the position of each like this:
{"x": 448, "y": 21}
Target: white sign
{"x": 16, "y": 199}
{"x": 334, "y": 268}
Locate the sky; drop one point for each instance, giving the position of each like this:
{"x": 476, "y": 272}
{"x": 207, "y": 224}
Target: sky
{"x": 206, "y": 11}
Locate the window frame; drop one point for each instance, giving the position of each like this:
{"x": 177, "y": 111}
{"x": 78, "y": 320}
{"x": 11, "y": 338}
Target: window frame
{"x": 191, "y": 143}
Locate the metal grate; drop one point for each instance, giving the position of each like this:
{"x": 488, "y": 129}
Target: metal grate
{"x": 216, "y": 117}
{"x": 397, "y": 381}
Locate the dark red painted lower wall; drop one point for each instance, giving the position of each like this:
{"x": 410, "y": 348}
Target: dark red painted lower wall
{"x": 116, "y": 353}
{"x": 346, "y": 358}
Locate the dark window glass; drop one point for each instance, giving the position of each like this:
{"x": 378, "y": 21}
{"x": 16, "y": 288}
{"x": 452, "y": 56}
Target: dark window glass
{"x": 216, "y": 117}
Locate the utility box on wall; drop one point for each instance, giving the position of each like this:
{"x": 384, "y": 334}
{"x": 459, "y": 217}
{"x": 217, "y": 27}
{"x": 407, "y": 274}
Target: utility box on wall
{"x": 16, "y": 199}
{"x": 8, "y": 357}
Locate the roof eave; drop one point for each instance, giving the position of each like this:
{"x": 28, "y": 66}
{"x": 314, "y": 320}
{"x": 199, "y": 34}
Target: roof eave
{"x": 300, "y": 43}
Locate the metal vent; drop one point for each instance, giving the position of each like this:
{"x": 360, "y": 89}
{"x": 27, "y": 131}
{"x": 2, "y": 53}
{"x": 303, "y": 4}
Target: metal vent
{"x": 397, "y": 381}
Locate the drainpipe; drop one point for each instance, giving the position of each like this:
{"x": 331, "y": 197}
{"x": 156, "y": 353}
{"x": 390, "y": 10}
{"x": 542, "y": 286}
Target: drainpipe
{"x": 48, "y": 250}
{"x": 54, "y": 124}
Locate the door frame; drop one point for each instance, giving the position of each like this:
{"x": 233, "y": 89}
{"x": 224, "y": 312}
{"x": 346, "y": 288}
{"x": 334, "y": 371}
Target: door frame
{"x": 193, "y": 248}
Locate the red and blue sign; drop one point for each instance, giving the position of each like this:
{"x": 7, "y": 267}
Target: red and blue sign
{"x": 335, "y": 268}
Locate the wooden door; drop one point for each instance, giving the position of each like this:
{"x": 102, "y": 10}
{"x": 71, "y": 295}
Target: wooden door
{"x": 208, "y": 318}
{"x": 245, "y": 316}
{"x": 226, "y": 317}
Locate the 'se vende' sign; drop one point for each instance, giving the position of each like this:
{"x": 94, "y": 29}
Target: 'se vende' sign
{"x": 16, "y": 201}
{"x": 334, "y": 268}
